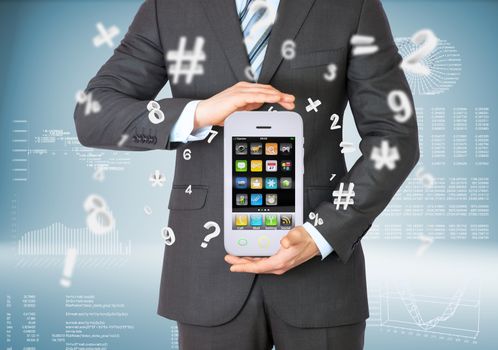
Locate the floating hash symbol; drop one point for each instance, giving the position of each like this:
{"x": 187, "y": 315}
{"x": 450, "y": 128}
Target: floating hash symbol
{"x": 157, "y": 179}
{"x": 343, "y": 198}
{"x": 186, "y": 62}
{"x": 384, "y": 156}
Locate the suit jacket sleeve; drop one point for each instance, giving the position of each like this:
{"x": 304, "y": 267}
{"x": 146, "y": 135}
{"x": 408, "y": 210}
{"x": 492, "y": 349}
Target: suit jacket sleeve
{"x": 370, "y": 78}
{"x": 125, "y": 84}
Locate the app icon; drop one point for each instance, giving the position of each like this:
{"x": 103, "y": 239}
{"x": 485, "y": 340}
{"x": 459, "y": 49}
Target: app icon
{"x": 256, "y": 148}
{"x": 256, "y": 183}
{"x": 241, "y": 182}
{"x": 271, "y": 148}
{"x": 286, "y": 182}
{"x": 241, "y": 199}
{"x": 285, "y": 219}
{"x": 270, "y": 219}
{"x": 241, "y": 220}
{"x": 271, "y": 183}
{"x": 286, "y": 165}
{"x": 241, "y": 148}
{"x": 240, "y": 165}
{"x": 256, "y": 220}
{"x": 271, "y": 199}
{"x": 271, "y": 165}
{"x": 285, "y": 148}
{"x": 256, "y": 165}
{"x": 256, "y": 199}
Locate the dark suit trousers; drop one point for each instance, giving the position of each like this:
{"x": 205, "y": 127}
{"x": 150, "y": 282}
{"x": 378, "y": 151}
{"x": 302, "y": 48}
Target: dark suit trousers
{"x": 258, "y": 327}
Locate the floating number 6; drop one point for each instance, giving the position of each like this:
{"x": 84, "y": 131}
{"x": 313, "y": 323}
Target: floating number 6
{"x": 187, "y": 154}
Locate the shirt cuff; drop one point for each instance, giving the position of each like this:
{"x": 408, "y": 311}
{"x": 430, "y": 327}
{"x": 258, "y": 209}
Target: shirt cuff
{"x": 183, "y": 130}
{"x": 323, "y": 246}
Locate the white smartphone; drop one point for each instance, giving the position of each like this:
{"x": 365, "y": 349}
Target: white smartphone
{"x": 263, "y": 183}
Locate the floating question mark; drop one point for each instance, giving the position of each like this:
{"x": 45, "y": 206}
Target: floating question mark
{"x": 264, "y": 22}
{"x": 217, "y": 230}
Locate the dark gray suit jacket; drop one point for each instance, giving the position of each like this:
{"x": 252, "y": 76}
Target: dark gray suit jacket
{"x": 197, "y": 286}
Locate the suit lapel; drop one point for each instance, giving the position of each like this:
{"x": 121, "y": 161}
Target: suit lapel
{"x": 222, "y": 16}
{"x": 290, "y": 17}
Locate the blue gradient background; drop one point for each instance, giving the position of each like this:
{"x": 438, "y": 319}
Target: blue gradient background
{"x": 47, "y": 55}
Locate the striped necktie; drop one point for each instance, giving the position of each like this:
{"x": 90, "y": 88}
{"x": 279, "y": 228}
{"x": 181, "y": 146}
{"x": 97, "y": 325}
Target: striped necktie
{"x": 257, "y": 42}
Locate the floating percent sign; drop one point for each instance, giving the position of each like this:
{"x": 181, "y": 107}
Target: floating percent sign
{"x": 91, "y": 106}
{"x": 318, "y": 220}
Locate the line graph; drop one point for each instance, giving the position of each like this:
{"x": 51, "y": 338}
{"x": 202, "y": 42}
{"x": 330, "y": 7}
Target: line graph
{"x": 57, "y": 238}
{"x": 455, "y": 315}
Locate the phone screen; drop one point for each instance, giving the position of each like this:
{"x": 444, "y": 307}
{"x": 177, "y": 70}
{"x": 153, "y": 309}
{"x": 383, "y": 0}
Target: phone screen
{"x": 263, "y": 191}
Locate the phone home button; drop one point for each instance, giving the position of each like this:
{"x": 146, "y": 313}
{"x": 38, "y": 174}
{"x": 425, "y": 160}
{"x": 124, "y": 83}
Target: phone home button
{"x": 242, "y": 242}
{"x": 263, "y": 242}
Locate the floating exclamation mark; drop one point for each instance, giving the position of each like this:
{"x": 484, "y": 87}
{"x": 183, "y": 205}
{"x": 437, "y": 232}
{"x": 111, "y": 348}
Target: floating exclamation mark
{"x": 68, "y": 267}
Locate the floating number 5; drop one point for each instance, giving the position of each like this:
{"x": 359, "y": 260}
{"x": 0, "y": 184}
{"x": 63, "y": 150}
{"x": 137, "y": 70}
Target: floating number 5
{"x": 428, "y": 42}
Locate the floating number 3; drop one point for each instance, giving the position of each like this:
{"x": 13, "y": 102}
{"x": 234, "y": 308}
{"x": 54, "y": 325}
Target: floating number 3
{"x": 428, "y": 42}
{"x": 332, "y": 72}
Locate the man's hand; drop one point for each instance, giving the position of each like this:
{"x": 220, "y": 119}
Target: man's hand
{"x": 296, "y": 247}
{"x": 242, "y": 96}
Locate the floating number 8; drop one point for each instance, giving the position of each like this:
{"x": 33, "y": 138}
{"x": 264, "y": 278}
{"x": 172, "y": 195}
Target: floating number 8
{"x": 99, "y": 219}
{"x": 156, "y": 116}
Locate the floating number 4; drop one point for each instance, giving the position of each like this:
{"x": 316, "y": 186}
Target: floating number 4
{"x": 189, "y": 189}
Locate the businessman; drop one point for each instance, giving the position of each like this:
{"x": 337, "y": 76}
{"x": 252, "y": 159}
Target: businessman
{"x": 312, "y": 293}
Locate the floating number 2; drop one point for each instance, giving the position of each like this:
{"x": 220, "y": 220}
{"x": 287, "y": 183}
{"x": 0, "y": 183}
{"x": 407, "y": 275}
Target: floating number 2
{"x": 335, "y": 119}
{"x": 428, "y": 42}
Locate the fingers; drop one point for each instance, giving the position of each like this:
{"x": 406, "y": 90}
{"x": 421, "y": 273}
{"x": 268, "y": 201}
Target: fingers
{"x": 293, "y": 237}
{"x": 257, "y": 91}
{"x": 272, "y": 264}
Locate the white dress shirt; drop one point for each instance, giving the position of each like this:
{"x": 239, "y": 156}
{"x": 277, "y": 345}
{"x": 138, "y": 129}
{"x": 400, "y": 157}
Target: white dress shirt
{"x": 183, "y": 131}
